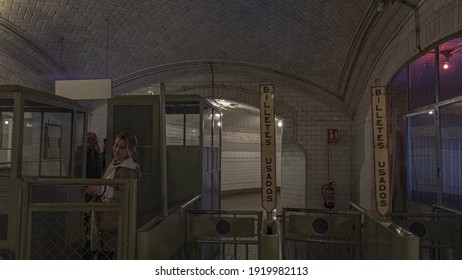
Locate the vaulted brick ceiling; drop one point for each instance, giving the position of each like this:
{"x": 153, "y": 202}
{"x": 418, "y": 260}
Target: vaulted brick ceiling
{"x": 322, "y": 48}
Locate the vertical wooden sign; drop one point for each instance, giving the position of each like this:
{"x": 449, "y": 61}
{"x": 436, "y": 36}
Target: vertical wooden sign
{"x": 268, "y": 147}
{"x": 380, "y": 143}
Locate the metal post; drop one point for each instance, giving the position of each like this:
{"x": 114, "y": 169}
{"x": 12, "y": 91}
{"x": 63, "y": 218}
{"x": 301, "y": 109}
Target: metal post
{"x": 163, "y": 153}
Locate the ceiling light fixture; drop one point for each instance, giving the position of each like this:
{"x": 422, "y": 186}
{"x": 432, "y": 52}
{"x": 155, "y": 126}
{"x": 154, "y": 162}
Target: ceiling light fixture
{"x": 446, "y": 65}
{"x": 447, "y": 54}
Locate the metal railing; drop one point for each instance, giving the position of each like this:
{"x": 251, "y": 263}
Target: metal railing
{"x": 224, "y": 235}
{"x": 320, "y": 234}
{"x": 55, "y": 220}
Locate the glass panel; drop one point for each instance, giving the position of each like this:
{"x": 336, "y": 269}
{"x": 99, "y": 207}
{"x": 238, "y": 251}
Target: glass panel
{"x": 192, "y": 132}
{"x": 6, "y": 142}
{"x": 80, "y": 144}
{"x": 450, "y": 60}
{"x": 422, "y": 165}
{"x": 397, "y": 109}
{"x": 174, "y": 129}
{"x": 32, "y": 145}
{"x": 451, "y": 154}
{"x": 216, "y": 128}
{"x": 208, "y": 122}
{"x": 422, "y": 82}
{"x": 182, "y": 122}
{"x": 46, "y": 141}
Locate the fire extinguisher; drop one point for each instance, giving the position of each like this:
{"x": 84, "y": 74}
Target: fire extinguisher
{"x": 329, "y": 195}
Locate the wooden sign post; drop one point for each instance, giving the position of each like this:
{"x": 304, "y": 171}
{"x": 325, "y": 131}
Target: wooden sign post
{"x": 268, "y": 147}
{"x": 380, "y": 144}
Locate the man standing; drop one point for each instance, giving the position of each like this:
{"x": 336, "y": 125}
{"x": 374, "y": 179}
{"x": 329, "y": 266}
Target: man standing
{"x": 94, "y": 166}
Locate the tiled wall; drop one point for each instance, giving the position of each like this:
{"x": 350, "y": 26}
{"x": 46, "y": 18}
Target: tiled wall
{"x": 293, "y": 193}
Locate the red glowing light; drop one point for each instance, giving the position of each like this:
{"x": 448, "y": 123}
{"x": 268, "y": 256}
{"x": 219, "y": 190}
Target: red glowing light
{"x": 445, "y": 65}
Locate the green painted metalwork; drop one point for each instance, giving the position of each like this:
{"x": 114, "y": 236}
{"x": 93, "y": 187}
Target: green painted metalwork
{"x": 382, "y": 239}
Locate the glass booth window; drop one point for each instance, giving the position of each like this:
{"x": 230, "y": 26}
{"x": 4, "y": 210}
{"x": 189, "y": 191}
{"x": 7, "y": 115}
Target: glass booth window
{"x": 217, "y": 122}
{"x": 6, "y": 140}
{"x": 47, "y": 140}
{"x": 208, "y": 125}
{"x": 80, "y": 140}
{"x": 182, "y": 123}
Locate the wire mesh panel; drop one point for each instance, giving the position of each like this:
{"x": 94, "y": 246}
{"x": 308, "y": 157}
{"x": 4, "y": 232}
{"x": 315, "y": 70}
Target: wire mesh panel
{"x": 58, "y": 224}
{"x": 439, "y": 234}
{"x": 317, "y": 234}
{"x": 223, "y": 235}
{"x": 65, "y": 235}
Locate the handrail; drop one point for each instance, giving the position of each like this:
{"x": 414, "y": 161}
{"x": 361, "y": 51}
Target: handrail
{"x": 447, "y": 209}
{"x": 157, "y": 220}
{"x": 384, "y": 222}
{"x": 191, "y": 202}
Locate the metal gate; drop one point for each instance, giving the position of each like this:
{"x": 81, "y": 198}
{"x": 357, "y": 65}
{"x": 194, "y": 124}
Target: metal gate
{"x": 223, "y": 235}
{"x": 319, "y": 234}
{"x": 439, "y": 233}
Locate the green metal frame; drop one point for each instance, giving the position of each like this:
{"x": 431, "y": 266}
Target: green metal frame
{"x": 203, "y": 229}
{"x": 385, "y": 240}
{"x": 20, "y": 96}
{"x": 343, "y": 229}
{"x": 126, "y": 209}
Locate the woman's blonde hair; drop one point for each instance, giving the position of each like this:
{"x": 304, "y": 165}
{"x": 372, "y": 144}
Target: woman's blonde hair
{"x": 131, "y": 141}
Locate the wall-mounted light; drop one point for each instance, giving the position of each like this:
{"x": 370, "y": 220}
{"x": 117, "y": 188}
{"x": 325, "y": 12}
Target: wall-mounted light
{"x": 280, "y": 123}
{"x": 430, "y": 112}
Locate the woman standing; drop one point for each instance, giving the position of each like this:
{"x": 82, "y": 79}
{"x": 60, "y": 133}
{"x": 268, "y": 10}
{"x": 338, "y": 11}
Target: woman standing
{"x": 123, "y": 166}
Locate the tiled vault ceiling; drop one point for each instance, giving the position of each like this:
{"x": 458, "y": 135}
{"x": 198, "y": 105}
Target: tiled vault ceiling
{"x": 317, "y": 47}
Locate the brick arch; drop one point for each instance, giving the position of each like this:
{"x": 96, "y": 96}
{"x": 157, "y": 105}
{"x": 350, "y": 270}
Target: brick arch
{"x": 233, "y": 69}
{"x": 22, "y": 48}
{"x": 238, "y": 94}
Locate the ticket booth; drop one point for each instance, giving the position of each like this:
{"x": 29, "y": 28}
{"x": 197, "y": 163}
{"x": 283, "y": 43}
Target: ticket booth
{"x": 41, "y": 135}
{"x": 192, "y": 135}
